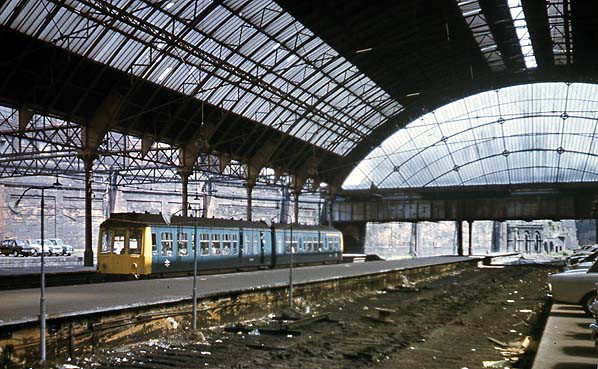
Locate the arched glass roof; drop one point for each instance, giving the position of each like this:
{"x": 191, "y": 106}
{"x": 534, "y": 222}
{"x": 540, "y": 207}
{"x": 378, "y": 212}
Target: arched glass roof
{"x": 535, "y": 133}
{"x": 250, "y": 57}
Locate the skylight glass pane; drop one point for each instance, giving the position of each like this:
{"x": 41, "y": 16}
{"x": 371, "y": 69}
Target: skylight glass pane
{"x": 536, "y": 133}
{"x": 237, "y": 42}
{"x": 522, "y": 33}
{"x": 476, "y": 21}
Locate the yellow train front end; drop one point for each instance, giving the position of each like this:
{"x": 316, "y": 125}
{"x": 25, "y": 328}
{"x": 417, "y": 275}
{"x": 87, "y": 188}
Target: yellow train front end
{"x": 124, "y": 249}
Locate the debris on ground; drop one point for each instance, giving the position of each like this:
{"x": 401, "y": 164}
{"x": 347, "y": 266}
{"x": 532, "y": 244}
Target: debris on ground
{"x": 461, "y": 320}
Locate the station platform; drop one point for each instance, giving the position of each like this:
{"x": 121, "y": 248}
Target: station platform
{"x": 22, "y": 306}
{"x": 566, "y": 342}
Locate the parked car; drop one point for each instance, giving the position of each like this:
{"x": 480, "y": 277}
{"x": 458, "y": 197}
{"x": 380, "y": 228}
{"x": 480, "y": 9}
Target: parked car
{"x": 50, "y": 246}
{"x": 585, "y": 262}
{"x": 33, "y": 248}
{"x": 580, "y": 255}
{"x": 576, "y": 286}
{"x": 66, "y": 249}
{"x": 13, "y": 247}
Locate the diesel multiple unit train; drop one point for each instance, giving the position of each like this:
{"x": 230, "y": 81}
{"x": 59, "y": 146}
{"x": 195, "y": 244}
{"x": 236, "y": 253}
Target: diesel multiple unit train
{"x": 144, "y": 244}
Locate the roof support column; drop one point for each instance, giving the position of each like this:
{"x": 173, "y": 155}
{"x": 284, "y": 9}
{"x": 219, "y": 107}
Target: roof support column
{"x": 88, "y": 159}
{"x": 331, "y": 195}
{"x": 188, "y": 155}
{"x": 185, "y": 174}
{"x": 298, "y": 182}
{"x": 414, "y": 238}
{"x": 470, "y": 224}
{"x": 207, "y": 198}
{"x": 459, "y": 225}
{"x": 249, "y": 184}
{"x": 596, "y": 230}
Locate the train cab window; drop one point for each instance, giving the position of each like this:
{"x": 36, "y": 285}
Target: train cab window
{"x": 234, "y": 244}
{"x": 215, "y": 244}
{"x": 166, "y": 240}
{"x": 226, "y": 244}
{"x": 106, "y": 244}
{"x": 135, "y": 241}
{"x": 118, "y": 243}
{"x": 183, "y": 244}
{"x": 154, "y": 243}
{"x": 204, "y": 243}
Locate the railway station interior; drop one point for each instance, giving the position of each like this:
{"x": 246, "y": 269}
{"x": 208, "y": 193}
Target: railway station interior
{"x": 298, "y": 184}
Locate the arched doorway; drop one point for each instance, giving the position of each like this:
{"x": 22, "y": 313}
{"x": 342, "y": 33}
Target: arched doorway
{"x": 538, "y": 243}
{"x": 546, "y": 247}
{"x": 551, "y": 246}
{"x": 527, "y": 242}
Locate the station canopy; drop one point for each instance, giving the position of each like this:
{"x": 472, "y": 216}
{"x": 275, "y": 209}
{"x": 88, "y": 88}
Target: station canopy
{"x": 534, "y": 133}
{"x": 248, "y": 57}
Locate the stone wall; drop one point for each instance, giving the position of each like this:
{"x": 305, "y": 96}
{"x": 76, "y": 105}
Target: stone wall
{"x": 65, "y": 207}
{"x": 398, "y": 239}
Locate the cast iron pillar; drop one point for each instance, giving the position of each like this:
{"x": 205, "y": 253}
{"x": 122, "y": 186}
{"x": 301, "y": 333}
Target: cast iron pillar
{"x": 185, "y": 184}
{"x": 331, "y": 197}
{"x": 249, "y": 185}
{"x": 459, "y": 237}
{"x": 88, "y": 164}
{"x": 296, "y": 205}
{"x": 470, "y": 224}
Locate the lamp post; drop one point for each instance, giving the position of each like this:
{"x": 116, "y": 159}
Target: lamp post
{"x": 168, "y": 219}
{"x": 195, "y": 241}
{"x": 291, "y": 270}
{"x": 42, "y": 298}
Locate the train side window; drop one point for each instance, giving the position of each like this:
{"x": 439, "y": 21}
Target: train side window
{"x": 183, "y": 244}
{"x": 320, "y": 245}
{"x": 204, "y": 243}
{"x": 166, "y": 240}
{"x": 154, "y": 243}
{"x": 248, "y": 243}
{"x": 215, "y": 244}
{"x": 234, "y": 244}
{"x": 118, "y": 243}
{"x": 287, "y": 244}
{"x": 226, "y": 244}
{"x": 135, "y": 241}
{"x": 106, "y": 244}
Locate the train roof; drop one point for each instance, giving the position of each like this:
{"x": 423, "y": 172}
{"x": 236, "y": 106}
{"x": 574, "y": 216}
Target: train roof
{"x": 146, "y": 219}
{"x": 304, "y": 227}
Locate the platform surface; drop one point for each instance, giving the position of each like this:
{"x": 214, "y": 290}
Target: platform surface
{"x": 50, "y": 269}
{"x": 566, "y": 342}
{"x": 20, "y": 306}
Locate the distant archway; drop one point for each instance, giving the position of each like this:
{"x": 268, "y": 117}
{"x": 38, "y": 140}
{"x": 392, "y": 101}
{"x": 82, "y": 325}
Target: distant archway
{"x": 527, "y": 242}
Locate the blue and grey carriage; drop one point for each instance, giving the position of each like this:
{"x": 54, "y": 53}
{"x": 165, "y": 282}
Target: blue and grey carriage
{"x": 144, "y": 244}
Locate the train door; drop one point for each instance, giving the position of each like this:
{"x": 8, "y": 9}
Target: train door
{"x": 262, "y": 248}
{"x": 167, "y": 255}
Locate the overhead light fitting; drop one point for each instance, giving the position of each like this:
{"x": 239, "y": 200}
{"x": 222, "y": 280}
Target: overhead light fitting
{"x": 413, "y": 94}
{"x": 360, "y": 51}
